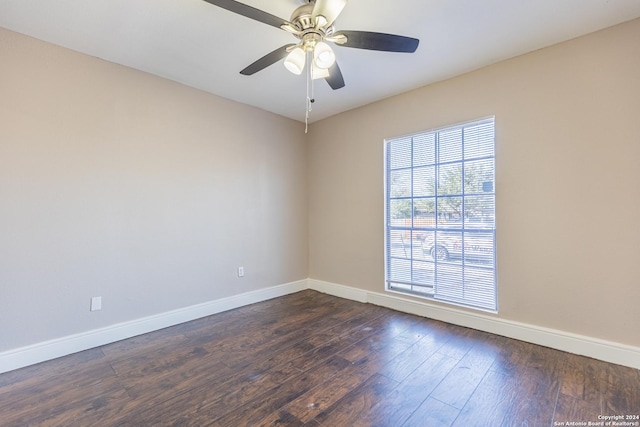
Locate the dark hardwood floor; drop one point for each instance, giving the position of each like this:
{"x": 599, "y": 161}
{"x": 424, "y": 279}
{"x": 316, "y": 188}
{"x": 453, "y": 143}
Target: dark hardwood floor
{"x": 312, "y": 359}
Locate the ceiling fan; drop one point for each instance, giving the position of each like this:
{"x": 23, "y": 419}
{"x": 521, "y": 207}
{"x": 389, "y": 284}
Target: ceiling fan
{"x": 312, "y": 24}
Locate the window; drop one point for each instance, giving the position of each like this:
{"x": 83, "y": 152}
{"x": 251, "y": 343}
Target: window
{"x": 440, "y": 199}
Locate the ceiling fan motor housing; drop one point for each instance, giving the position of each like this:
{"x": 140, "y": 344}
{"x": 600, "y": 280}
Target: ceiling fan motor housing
{"x": 309, "y": 32}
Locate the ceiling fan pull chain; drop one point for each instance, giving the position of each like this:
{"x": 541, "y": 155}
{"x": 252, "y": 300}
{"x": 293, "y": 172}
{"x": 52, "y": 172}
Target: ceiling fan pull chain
{"x": 310, "y": 99}
{"x": 307, "y": 106}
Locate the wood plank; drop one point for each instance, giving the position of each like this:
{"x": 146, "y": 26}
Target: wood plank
{"x": 458, "y": 341}
{"x": 396, "y": 407}
{"x": 458, "y": 386}
{"x": 259, "y": 411}
{"x": 244, "y": 385}
{"x": 366, "y": 359}
{"x": 621, "y": 393}
{"x": 510, "y": 400}
{"x": 491, "y": 403}
{"x": 409, "y": 360}
{"x": 61, "y": 398}
{"x": 312, "y": 359}
{"x": 55, "y": 368}
{"x": 583, "y": 380}
{"x": 432, "y": 413}
{"x": 358, "y": 402}
{"x": 104, "y": 410}
{"x": 571, "y": 409}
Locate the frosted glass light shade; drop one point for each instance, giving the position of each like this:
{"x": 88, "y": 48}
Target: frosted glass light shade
{"x": 319, "y": 73}
{"x": 323, "y": 56}
{"x": 295, "y": 61}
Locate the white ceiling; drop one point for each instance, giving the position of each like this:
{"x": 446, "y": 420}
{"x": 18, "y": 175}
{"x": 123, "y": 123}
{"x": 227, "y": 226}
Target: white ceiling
{"x": 203, "y": 46}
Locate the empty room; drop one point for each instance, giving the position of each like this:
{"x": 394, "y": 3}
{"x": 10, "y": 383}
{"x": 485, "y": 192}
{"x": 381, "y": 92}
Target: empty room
{"x": 319, "y": 212}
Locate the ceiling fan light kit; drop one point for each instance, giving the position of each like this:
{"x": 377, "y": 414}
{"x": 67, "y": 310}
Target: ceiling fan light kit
{"x": 312, "y": 25}
{"x": 295, "y": 61}
{"x": 319, "y": 73}
{"x": 323, "y": 55}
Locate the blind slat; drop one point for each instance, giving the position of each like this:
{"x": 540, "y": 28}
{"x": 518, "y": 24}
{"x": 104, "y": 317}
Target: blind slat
{"x": 440, "y": 214}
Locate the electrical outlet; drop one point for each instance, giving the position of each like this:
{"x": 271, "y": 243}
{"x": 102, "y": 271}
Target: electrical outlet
{"x": 240, "y": 271}
{"x": 96, "y": 303}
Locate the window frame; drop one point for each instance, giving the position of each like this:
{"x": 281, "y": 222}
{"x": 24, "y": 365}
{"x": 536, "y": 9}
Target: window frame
{"x": 411, "y": 231}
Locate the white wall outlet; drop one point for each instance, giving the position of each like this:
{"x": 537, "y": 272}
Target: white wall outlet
{"x": 240, "y": 271}
{"x": 96, "y": 303}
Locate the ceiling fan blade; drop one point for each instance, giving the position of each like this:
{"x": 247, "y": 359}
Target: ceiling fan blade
{"x": 335, "y": 79}
{"x": 377, "y": 41}
{"x": 330, "y": 9}
{"x": 268, "y": 59}
{"x": 249, "y": 12}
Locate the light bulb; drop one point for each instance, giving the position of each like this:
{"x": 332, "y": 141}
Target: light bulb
{"x": 323, "y": 56}
{"x": 295, "y": 61}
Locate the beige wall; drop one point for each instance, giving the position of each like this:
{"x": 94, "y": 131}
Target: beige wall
{"x": 118, "y": 184}
{"x": 567, "y": 182}
{"x": 150, "y": 194}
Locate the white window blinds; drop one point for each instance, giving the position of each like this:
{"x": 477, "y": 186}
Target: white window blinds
{"x": 440, "y": 200}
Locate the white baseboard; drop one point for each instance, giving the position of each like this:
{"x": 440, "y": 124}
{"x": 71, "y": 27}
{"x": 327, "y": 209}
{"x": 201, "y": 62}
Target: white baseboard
{"x": 40, "y": 352}
{"x": 341, "y": 291}
{"x": 608, "y": 351}
{"x": 578, "y": 344}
